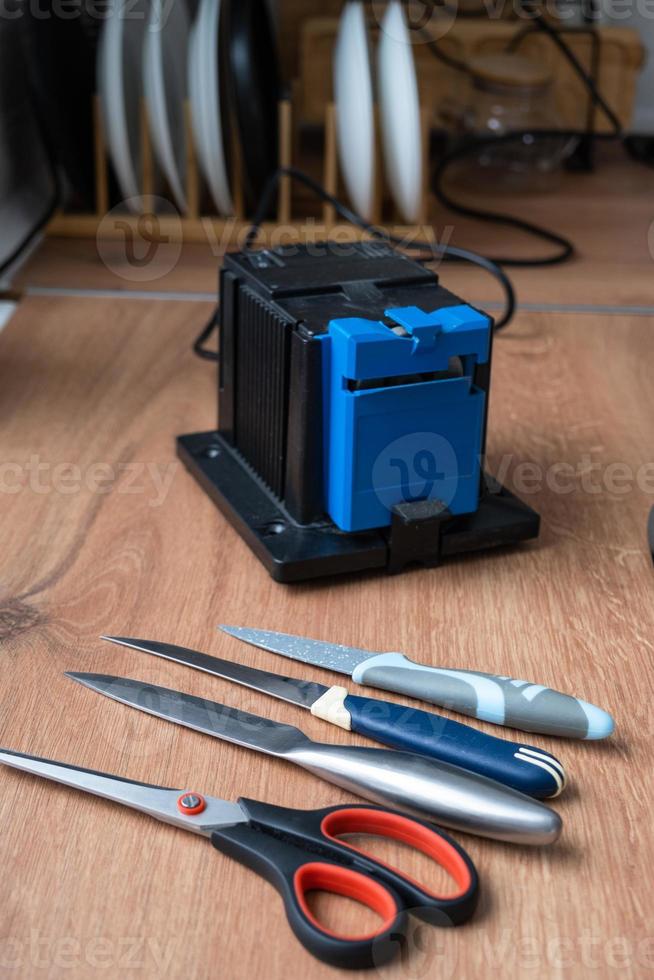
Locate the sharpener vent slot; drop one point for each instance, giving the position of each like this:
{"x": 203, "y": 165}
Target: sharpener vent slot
{"x": 262, "y": 368}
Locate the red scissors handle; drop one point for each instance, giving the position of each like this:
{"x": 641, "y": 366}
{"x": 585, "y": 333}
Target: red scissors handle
{"x": 299, "y": 851}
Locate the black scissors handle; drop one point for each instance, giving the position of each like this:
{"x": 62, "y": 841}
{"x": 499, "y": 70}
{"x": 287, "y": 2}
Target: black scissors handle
{"x": 299, "y": 851}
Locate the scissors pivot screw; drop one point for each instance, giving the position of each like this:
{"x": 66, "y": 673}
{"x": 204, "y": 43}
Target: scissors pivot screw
{"x": 191, "y": 803}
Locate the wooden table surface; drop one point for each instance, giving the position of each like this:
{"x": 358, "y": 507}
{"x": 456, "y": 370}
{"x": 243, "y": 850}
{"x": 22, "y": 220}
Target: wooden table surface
{"x": 104, "y": 531}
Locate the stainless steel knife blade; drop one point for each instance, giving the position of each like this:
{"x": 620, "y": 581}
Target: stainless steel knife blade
{"x": 208, "y": 717}
{"x": 303, "y": 693}
{"x": 331, "y": 656}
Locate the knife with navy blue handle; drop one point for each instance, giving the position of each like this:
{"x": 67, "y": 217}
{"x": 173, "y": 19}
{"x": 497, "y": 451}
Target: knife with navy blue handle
{"x": 523, "y": 767}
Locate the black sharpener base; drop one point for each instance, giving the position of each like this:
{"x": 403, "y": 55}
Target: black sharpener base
{"x": 421, "y": 533}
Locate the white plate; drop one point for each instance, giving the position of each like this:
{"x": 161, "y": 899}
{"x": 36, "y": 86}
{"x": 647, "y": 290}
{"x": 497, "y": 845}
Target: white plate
{"x": 399, "y": 106}
{"x": 119, "y": 84}
{"x": 204, "y": 91}
{"x": 355, "y": 116}
{"x": 164, "y": 84}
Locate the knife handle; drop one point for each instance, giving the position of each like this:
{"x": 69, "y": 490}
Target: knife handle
{"x": 434, "y": 791}
{"x": 490, "y": 697}
{"x": 524, "y": 767}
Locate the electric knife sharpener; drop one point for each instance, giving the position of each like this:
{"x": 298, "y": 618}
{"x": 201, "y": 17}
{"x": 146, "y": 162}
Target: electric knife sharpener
{"x": 353, "y": 400}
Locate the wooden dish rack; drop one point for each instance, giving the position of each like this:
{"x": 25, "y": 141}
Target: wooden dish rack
{"x": 195, "y": 226}
{"x": 309, "y": 101}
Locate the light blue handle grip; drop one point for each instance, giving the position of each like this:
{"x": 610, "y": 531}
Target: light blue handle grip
{"x": 524, "y": 767}
{"x": 498, "y": 699}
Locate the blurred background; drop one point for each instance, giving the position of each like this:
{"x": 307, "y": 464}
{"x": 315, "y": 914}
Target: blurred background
{"x": 183, "y": 109}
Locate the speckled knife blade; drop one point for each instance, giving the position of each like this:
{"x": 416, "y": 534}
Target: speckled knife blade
{"x": 331, "y": 656}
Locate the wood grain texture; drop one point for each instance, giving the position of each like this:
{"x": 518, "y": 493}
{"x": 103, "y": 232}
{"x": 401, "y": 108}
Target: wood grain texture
{"x": 90, "y": 889}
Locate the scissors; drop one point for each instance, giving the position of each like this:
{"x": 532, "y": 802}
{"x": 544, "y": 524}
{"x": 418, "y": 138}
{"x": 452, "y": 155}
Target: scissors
{"x": 299, "y": 851}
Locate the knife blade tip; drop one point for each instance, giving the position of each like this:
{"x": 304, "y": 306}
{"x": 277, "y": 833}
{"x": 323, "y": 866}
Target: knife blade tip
{"x": 88, "y": 679}
{"x": 125, "y": 641}
{"x": 232, "y": 630}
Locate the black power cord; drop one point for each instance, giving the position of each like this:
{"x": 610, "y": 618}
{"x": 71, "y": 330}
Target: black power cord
{"x": 539, "y": 23}
{"x": 565, "y": 248}
{"x": 198, "y": 344}
{"x": 434, "y": 250}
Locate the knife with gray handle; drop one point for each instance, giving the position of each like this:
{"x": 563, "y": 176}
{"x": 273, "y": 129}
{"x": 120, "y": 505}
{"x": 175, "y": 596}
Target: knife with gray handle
{"x": 431, "y": 790}
{"x": 490, "y": 697}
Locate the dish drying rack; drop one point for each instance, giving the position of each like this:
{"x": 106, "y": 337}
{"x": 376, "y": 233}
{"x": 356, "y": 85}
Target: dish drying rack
{"x": 309, "y": 102}
{"x": 196, "y": 226}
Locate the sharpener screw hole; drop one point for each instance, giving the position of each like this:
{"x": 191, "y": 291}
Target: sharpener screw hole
{"x": 276, "y": 527}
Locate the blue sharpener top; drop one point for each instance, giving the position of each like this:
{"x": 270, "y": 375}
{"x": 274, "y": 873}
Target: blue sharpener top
{"x": 403, "y": 420}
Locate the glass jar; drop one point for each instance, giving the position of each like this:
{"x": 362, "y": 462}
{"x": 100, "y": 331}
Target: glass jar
{"x": 506, "y": 94}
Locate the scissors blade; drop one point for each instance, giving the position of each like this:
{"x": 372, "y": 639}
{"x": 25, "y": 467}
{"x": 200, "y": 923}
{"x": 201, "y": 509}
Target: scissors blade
{"x": 159, "y": 802}
{"x": 331, "y": 656}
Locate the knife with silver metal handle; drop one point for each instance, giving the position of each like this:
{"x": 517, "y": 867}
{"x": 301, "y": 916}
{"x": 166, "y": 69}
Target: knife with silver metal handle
{"x": 490, "y": 697}
{"x": 431, "y": 790}
{"x": 524, "y": 767}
